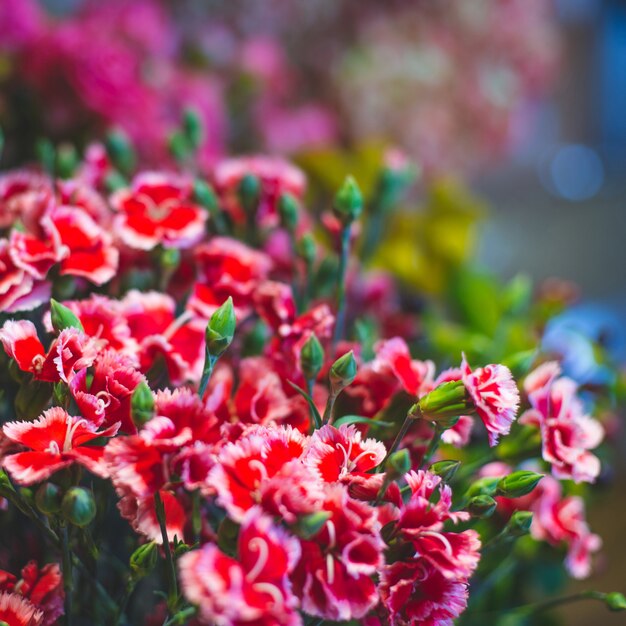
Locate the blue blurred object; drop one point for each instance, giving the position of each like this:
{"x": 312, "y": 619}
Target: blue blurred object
{"x": 572, "y": 335}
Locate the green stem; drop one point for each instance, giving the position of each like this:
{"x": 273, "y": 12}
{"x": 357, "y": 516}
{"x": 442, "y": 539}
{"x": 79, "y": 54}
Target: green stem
{"x": 209, "y": 364}
{"x": 307, "y": 290}
{"x": 408, "y": 420}
{"x": 67, "y": 572}
{"x": 172, "y": 584}
{"x": 310, "y": 383}
{"x": 196, "y": 522}
{"x": 122, "y": 604}
{"x": 330, "y": 409}
{"x": 533, "y": 609}
{"x": 181, "y": 617}
{"x": 341, "y": 284}
{"x": 432, "y": 446}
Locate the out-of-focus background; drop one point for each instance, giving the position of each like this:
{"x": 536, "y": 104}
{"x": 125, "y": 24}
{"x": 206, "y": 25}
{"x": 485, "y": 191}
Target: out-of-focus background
{"x": 523, "y": 101}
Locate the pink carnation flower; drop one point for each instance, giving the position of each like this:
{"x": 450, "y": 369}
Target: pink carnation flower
{"x": 495, "y": 396}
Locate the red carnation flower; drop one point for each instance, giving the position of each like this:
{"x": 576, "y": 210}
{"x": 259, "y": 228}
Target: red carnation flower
{"x": 333, "y": 576}
{"x": 252, "y": 589}
{"x": 158, "y": 209}
{"x": 226, "y": 268}
{"x": 20, "y": 290}
{"x": 264, "y": 466}
{"x": 71, "y": 351}
{"x": 421, "y": 522}
{"x": 416, "y": 594}
{"x": 106, "y": 399}
{"x": 341, "y": 455}
{"x": 15, "y": 610}
{"x": 86, "y": 248}
{"x": 56, "y": 440}
{"x": 416, "y": 377}
{"x": 42, "y": 587}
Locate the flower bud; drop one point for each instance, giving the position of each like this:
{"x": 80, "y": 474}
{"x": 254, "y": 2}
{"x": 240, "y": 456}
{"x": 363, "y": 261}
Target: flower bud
{"x": 306, "y": 248}
{"x": 615, "y": 601}
{"x": 445, "y": 469}
{"x": 114, "y": 181}
{"x": 398, "y": 463}
{"x": 348, "y": 204}
{"x": 204, "y": 195}
{"x": 44, "y": 149}
{"x": 142, "y": 404}
{"x": 178, "y": 146}
{"x": 221, "y": 329}
{"x": 120, "y": 151}
{"x": 288, "y": 210}
{"x": 66, "y": 160}
{"x": 518, "y": 484}
{"x": 193, "y": 127}
{"x": 481, "y": 506}
{"x": 444, "y": 404}
{"x": 48, "y": 498}
{"x": 483, "y": 486}
{"x": 169, "y": 258}
{"x": 62, "y": 317}
{"x": 342, "y": 372}
{"x": 249, "y": 191}
{"x": 78, "y": 506}
{"x": 519, "y": 523}
{"x": 311, "y": 358}
{"x": 227, "y": 533}
{"x": 309, "y": 525}
{"x": 144, "y": 559}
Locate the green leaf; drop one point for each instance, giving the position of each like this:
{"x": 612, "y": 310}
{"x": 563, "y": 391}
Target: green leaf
{"x": 360, "y": 419}
{"x": 307, "y": 397}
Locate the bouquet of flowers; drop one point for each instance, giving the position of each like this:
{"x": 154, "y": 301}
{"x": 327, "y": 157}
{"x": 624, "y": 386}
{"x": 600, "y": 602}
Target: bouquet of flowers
{"x": 216, "y": 412}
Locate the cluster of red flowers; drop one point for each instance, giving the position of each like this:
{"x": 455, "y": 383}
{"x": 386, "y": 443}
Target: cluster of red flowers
{"x": 218, "y": 452}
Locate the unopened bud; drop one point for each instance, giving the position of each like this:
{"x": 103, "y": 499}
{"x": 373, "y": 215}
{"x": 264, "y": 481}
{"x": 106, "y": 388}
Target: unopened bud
{"x": 249, "y": 191}
{"x": 342, "y": 372}
{"x": 311, "y": 358}
{"x": 615, "y": 601}
{"x": 398, "y": 463}
{"x": 204, "y": 195}
{"x": 62, "y": 317}
{"x": 519, "y": 523}
{"x": 309, "y": 525}
{"x": 288, "y": 210}
{"x": 444, "y": 404}
{"x": 445, "y": 469}
{"x": 306, "y": 248}
{"x": 193, "y": 127}
{"x": 518, "y": 484}
{"x": 142, "y": 404}
{"x": 78, "y": 506}
{"x": 144, "y": 559}
{"x": 348, "y": 204}
{"x": 482, "y": 506}
{"x": 178, "y": 146}
{"x": 221, "y": 329}
{"x": 46, "y": 155}
{"x": 120, "y": 151}
{"x": 48, "y": 498}
{"x": 170, "y": 258}
{"x": 483, "y": 486}
{"x": 66, "y": 160}
{"x": 114, "y": 181}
